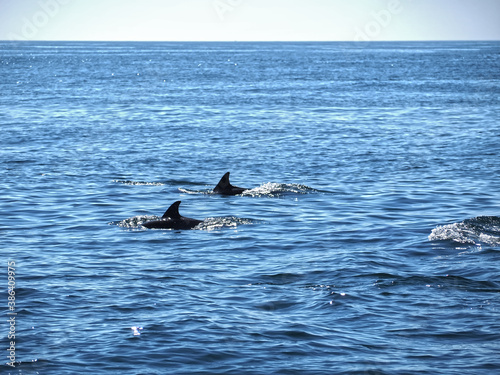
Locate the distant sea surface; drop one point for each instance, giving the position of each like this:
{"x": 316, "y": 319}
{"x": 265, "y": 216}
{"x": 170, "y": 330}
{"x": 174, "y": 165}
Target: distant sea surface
{"x": 368, "y": 241}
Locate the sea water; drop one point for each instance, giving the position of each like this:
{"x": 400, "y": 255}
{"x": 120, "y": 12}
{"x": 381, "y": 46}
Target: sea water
{"x": 368, "y": 241}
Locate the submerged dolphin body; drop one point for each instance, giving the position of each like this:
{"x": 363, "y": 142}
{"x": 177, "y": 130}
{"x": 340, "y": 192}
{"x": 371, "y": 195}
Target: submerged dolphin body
{"x": 224, "y": 187}
{"x": 171, "y": 219}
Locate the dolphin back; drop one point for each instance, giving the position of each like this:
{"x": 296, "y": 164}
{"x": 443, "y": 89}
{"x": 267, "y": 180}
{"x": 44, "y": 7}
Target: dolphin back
{"x": 171, "y": 219}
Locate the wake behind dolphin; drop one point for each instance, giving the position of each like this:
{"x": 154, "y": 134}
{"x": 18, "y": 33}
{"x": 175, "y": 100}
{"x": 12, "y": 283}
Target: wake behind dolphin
{"x": 171, "y": 219}
{"x": 269, "y": 189}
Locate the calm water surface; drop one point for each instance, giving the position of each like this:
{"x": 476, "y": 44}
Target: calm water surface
{"x": 368, "y": 243}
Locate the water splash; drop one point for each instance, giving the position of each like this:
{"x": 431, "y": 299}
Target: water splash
{"x": 274, "y": 189}
{"x": 476, "y": 231}
{"x": 216, "y": 223}
{"x": 135, "y": 222}
{"x": 136, "y": 330}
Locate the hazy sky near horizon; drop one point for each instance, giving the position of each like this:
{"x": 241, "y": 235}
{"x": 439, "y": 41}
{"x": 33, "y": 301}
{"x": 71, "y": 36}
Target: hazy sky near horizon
{"x": 249, "y": 20}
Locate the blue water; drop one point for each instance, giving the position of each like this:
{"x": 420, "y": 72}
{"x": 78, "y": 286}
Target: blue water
{"x": 368, "y": 243}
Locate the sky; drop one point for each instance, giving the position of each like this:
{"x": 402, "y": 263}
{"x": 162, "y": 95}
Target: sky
{"x": 249, "y": 20}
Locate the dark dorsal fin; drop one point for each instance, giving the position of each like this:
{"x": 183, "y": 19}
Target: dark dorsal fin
{"x": 173, "y": 211}
{"x": 223, "y": 183}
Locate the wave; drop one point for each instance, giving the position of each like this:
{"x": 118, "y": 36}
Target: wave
{"x": 189, "y": 191}
{"x": 141, "y": 183}
{"x": 476, "y": 231}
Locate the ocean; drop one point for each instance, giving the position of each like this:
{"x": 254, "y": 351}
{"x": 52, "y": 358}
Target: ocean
{"x": 368, "y": 241}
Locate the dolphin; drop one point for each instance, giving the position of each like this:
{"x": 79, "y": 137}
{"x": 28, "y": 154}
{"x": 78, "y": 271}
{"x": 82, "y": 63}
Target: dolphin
{"x": 171, "y": 219}
{"x": 224, "y": 187}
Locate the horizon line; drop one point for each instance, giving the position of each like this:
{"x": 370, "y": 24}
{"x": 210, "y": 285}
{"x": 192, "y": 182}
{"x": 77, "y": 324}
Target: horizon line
{"x": 252, "y": 41}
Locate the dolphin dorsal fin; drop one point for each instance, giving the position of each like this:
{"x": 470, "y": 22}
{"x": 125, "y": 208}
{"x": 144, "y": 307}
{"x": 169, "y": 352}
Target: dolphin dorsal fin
{"x": 173, "y": 211}
{"x": 223, "y": 183}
